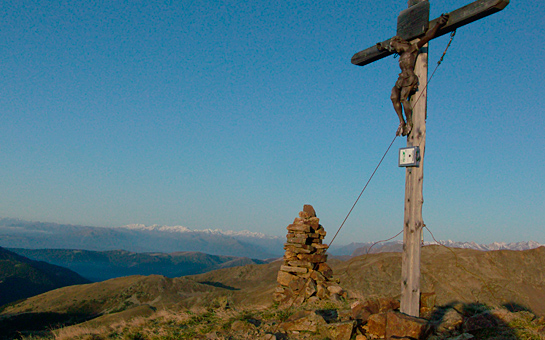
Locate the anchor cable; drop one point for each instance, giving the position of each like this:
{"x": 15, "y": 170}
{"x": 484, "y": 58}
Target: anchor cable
{"x": 452, "y": 34}
{"x": 342, "y": 224}
{"x": 366, "y": 184}
{"x": 493, "y": 292}
{"x": 361, "y": 193}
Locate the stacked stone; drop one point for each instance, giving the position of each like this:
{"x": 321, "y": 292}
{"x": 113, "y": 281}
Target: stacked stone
{"x": 305, "y": 275}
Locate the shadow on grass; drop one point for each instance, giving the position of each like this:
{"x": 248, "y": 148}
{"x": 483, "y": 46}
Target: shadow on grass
{"x": 219, "y": 285}
{"x": 15, "y": 326}
{"x": 329, "y": 315}
{"x": 476, "y": 319}
{"x": 515, "y": 307}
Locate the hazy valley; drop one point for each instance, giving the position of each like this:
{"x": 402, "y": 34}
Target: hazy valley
{"x": 104, "y": 265}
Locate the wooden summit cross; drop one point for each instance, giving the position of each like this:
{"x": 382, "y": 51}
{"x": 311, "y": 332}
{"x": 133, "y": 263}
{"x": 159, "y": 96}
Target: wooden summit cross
{"x": 413, "y": 23}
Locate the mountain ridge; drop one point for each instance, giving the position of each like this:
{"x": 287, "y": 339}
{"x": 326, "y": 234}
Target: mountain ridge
{"x": 16, "y": 233}
{"x": 21, "y": 277}
{"x": 104, "y": 265}
{"x": 456, "y": 277}
{"x": 356, "y": 249}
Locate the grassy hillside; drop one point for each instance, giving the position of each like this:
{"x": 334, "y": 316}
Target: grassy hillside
{"x": 513, "y": 280}
{"x": 500, "y": 277}
{"x": 76, "y": 304}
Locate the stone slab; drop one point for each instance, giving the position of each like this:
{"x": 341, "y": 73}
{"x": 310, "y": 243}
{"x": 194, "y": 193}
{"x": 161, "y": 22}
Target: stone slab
{"x": 312, "y": 258}
{"x": 284, "y": 278}
{"x": 401, "y": 325}
{"x": 289, "y": 269}
{"x": 303, "y": 228}
{"x": 341, "y": 330}
{"x": 298, "y": 263}
{"x": 297, "y": 239}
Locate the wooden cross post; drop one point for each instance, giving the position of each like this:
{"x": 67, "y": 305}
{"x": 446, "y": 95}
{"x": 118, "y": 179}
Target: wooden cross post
{"x": 412, "y": 24}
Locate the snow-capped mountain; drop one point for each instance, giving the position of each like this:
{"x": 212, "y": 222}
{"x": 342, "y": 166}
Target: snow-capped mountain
{"x": 492, "y": 246}
{"x": 356, "y": 249}
{"x": 156, "y": 238}
{"x": 182, "y": 229}
{"x": 138, "y": 238}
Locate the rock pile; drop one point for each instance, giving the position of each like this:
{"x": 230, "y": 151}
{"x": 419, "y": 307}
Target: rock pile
{"x": 305, "y": 275}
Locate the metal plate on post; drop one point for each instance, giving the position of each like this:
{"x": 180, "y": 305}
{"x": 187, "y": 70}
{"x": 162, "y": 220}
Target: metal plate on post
{"x": 413, "y": 22}
{"x": 409, "y": 156}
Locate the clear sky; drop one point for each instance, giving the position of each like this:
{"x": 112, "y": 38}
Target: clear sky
{"x": 233, "y": 114}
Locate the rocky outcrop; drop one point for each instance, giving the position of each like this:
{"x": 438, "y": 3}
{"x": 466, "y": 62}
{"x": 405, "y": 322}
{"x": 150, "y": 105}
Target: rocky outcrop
{"x": 305, "y": 275}
{"x": 379, "y": 318}
{"x": 318, "y": 322}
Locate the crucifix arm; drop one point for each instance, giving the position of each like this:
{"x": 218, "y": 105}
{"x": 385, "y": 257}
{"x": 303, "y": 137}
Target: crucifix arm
{"x": 381, "y": 48}
{"x": 442, "y": 21}
{"x": 457, "y": 18}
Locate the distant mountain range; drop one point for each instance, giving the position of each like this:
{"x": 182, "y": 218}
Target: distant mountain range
{"x": 15, "y": 233}
{"x": 104, "y": 265}
{"x": 21, "y": 277}
{"x": 357, "y": 249}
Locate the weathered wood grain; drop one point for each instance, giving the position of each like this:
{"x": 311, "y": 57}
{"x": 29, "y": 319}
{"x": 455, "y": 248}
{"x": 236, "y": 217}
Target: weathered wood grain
{"x": 413, "y": 22}
{"x": 460, "y": 17}
{"x": 414, "y": 198}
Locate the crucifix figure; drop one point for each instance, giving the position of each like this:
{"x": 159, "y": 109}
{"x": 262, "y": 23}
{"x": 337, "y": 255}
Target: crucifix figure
{"x": 407, "y": 82}
{"x": 413, "y": 23}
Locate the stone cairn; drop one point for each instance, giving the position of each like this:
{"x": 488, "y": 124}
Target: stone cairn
{"x": 305, "y": 275}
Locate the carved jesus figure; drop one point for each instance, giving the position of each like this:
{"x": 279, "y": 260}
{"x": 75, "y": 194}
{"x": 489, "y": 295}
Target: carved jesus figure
{"x": 407, "y": 82}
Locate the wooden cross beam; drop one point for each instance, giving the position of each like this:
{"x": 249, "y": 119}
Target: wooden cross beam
{"x": 460, "y": 17}
{"x": 412, "y": 24}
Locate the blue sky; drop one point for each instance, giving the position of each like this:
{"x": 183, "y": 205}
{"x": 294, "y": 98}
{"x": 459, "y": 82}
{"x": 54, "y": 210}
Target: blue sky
{"x": 233, "y": 114}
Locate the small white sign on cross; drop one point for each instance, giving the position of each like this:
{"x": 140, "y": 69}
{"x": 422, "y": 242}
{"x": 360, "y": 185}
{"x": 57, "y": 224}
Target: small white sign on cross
{"x": 409, "y": 156}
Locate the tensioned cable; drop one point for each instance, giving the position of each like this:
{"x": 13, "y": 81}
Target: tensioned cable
{"x": 361, "y": 193}
{"x": 391, "y": 238}
{"x": 452, "y": 34}
{"x": 373, "y": 174}
{"x": 479, "y": 277}
{"x": 417, "y": 99}
{"x": 342, "y": 224}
